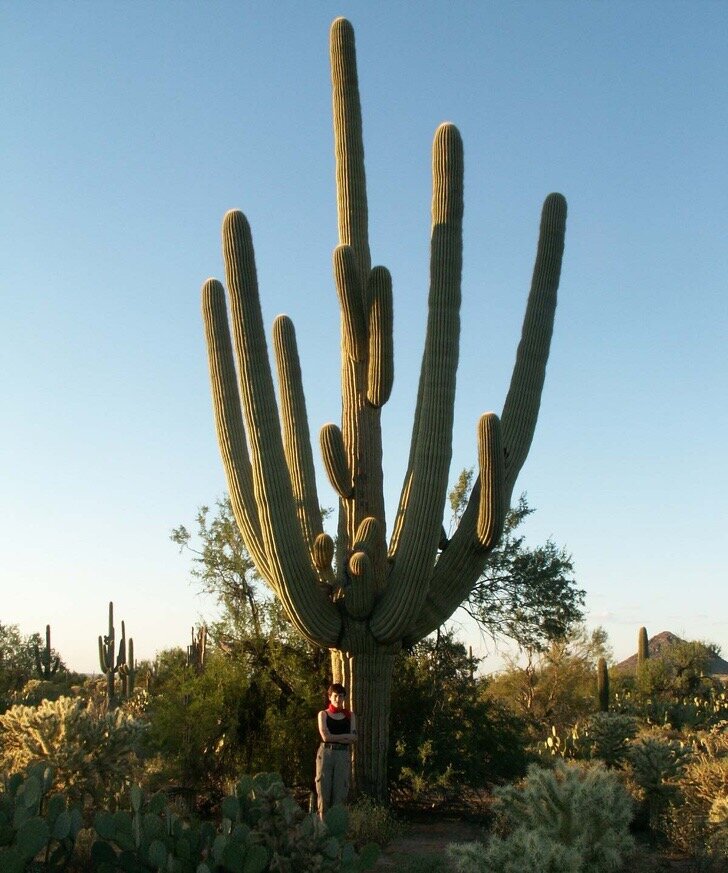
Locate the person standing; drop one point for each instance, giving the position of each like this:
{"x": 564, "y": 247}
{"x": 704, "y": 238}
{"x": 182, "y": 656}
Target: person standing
{"x": 337, "y": 727}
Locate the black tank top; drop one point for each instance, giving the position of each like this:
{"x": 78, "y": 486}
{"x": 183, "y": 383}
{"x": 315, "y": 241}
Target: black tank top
{"x": 338, "y": 725}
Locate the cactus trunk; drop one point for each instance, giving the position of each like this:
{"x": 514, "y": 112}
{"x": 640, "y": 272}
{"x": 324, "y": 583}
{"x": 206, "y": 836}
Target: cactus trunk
{"x": 372, "y": 596}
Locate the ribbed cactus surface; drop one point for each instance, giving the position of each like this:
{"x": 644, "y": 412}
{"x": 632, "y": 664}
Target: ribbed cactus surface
{"x": 367, "y": 595}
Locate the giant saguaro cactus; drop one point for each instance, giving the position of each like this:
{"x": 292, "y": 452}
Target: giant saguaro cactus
{"x": 369, "y": 598}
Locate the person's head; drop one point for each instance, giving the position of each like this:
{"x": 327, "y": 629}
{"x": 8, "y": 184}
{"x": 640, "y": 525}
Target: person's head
{"x": 336, "y": 695}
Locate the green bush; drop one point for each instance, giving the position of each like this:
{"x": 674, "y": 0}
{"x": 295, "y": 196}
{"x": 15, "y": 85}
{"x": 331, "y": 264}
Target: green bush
{"x": 370, "y": 822}
{"x": 92, "y": 753}
{"x": 571, "y": 819}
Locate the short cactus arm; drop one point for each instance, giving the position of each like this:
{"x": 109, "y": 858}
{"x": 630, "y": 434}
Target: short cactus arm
{"x": 296, "y": 436}
{"x": 420, "y": 534}
{"x": 350, "y": 294}
{"x": 462, "y": 562}
{"x": 288, "y": 565}
{"x": 229, "y": 420}
{"x": 380, "y": 374}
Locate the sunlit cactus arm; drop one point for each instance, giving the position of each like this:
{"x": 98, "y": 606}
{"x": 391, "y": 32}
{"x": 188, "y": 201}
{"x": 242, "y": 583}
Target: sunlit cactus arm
{"x": 335, "y": 462}
{"x": 380, "y": 373}
{"x": 288, "y": 566}
{"x": 349, "y": 146}
{"x": 296, "y": 436}
{"x": 415, "y": 555}
{"x": 229, "y": 421}
{"x": 520, "y": 411}
{"x": 461, "y": 563}
{"x": 349, "y": 289}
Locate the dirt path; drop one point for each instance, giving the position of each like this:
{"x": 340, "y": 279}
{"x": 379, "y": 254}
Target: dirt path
{"x": 428, "y": 838}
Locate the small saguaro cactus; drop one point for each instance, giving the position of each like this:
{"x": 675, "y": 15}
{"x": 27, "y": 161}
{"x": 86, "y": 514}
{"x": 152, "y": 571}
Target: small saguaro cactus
{"x": 45, "y": 666}
{"x": 197, "y": 650}
{"x": 643, "y": 647}
{"x": 364, "y": 598}
{"x": 109, "y": 661}
{"x": 603, "y": 685}
{"x": 127, "y": 668}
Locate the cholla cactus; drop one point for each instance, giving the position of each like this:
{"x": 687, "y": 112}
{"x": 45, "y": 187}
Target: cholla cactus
{"x": 376, "y": 595}
{"x": 91, "y": 752}
{"x": 607, "y": 735}
{"x": 656, "y": 765}
{"x": 574, "y": 819}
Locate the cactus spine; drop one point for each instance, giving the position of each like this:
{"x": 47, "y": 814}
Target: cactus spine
{"x": 109, "y": 661}
{"x": 603, "y": 685}
{"x": 643, "y": 647}
{"x": 380, "y": 595}
{"x": 45, "y": 666}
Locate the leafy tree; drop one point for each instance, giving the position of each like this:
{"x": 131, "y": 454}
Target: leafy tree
{"x": 450, "y": 732}
{"x": 526, "y": 594}
{"x": 270, "y": 681}
{"x": 556, "y": 686}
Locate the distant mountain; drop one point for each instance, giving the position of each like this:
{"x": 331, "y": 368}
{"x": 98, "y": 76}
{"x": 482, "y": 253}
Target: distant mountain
{"x": 717, "y": 667}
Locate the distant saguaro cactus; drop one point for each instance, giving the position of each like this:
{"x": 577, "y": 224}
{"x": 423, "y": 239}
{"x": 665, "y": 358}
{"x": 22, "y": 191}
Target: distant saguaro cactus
{"x": 603, "y": 685}
{"x": 127, "y": 668}
{"x": 109, "y": 661}
{"x": 375, "y": 596}
{"x": 643, "y": 647}
{"x": 197, "y": 650}
{"x": 45, "y": 666}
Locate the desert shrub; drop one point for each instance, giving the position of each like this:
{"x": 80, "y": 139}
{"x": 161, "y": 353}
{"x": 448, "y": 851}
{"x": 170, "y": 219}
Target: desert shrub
{"x": 606, "y": 736}
{"x": 371, "y": 822}
{"x": 572, "y": 819}
{"x": 454, "y": 733}
{"x": 92, "y": 753}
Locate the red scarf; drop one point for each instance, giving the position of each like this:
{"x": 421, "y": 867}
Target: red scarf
{"x": 334, "y": 711}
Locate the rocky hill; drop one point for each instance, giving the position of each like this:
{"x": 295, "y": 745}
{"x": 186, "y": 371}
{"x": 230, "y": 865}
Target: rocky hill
{"x": 657, "y": 644}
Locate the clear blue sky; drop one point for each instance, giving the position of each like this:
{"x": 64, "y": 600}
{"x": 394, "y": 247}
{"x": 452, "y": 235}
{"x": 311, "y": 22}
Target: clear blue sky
{"x": 130, "y": 128}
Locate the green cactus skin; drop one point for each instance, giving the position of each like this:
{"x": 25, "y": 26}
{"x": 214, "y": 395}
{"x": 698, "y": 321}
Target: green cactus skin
{"x": 197, "y": 650}
{"x": 45, "y": 666}
{"x": 379, "y": 597}
{"x": 603, "y": 685}
{"x": 109, "y": 661}
{"x": 127, "y": 669}
{"x": 643, "y": 647}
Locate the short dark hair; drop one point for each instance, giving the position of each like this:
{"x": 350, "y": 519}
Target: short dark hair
{"x": 336, "y": 688}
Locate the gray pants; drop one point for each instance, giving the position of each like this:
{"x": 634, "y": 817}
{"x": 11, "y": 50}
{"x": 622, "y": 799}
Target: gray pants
{"x": 332, "y": 777}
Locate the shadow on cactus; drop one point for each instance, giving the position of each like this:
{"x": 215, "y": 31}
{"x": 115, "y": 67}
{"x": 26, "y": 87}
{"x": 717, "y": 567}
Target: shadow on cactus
{"x": 366, "y": 597}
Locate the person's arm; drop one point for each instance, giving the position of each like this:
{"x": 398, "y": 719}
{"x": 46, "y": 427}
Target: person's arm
{"x": 323, "y": 730}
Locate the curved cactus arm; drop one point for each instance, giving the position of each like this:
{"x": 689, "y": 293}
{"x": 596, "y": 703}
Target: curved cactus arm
{"x": 349, "y": 145}
{"x": 335, "y": 462}
{"x": 229, "y": 421}
{"x": 296, "y": 436}
{"x": 380, "y": 373}
{"x": 289, "y": 568}
{"x": 460, "y": 565}
{"x": 520, "y": 411}
{"x": 420, "y": 534}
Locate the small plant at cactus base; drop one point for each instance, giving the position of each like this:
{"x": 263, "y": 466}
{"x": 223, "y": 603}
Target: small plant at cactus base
{"x": 572, "y": 818}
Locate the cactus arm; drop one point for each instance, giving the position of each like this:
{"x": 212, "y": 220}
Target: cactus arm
{"x": 289, "y": 567}
{"x": 348, "y": 287}
{"x": 520, "y": 412}
{"x": 296, "y": 436}
{"x": 102, "y": 655}
{"x": 491, "y": 503}
{"x": 335, "y": 462}
{"x": 229, "y": 421}
{"x": 422, "y": 524}
{"x": 460, "y": 565}
{"x": 349, "y": 145}
{"x": 380, "y": 373}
